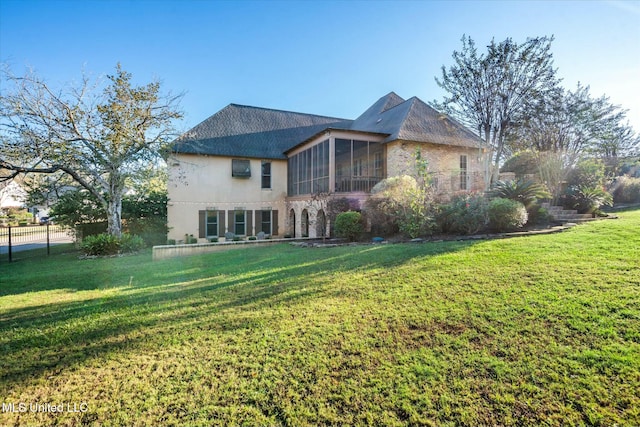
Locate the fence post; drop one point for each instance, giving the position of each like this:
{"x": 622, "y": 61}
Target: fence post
{"x": 9, "y": 243}
{"x": 48, "y": 251}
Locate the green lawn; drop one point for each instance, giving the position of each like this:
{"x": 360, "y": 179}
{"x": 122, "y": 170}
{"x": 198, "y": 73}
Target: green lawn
{"x": 540, "y": 330}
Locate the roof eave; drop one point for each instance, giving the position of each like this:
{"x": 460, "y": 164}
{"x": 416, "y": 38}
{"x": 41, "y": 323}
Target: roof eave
{"x": 328, "y": 131}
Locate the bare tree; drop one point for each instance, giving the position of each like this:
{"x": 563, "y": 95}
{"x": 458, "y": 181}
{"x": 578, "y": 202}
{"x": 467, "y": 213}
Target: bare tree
{"x": 571, "y": 125}
{"x": 574, "y": 123}
{"x": 491, "y": 92}
{"x": 98, "y": 138}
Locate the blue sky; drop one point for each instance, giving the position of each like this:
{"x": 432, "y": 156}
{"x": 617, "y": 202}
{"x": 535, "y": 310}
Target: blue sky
{"x": 324, "y": 57}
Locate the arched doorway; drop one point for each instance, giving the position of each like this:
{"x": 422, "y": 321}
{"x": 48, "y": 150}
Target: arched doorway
{"x": 304, "y": 220}
{"x": 321, "y": 224}
{"x": 292, "y": 223}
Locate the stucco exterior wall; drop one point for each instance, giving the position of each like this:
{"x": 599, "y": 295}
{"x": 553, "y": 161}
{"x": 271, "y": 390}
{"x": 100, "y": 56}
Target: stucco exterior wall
{"x": 198, "y": 182}
{"x": 443, "y": 161}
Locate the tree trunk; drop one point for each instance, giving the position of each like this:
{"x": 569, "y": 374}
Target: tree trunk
{"x": 500, "y": 136}
{"x": 489, "y": 159}
{"x": 114, "y": 216}
{"x": 114, "y": 205}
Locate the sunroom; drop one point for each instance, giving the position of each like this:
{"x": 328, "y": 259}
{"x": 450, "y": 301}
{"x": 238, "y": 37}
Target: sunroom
{"x": 337, "y": 162}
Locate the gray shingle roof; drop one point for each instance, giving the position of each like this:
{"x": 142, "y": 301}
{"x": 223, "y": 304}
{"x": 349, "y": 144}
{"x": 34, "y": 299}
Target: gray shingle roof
{"x": 414, "y": 120}
{"x": 244, "y": 131}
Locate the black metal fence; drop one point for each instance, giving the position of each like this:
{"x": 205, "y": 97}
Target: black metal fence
{"x": 31, "y": 240}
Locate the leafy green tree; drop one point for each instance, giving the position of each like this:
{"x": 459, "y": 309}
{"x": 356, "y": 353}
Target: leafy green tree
{"x": 145, "y": 215}
{"x": 491, "y": 92}
{"x": 77, "y": 206}
{"x": 98, "y": 138}
{"x": 522, "y": 163}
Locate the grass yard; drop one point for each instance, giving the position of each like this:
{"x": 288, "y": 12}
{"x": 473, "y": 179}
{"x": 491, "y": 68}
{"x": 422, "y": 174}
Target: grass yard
{"x": 540, "y": 330}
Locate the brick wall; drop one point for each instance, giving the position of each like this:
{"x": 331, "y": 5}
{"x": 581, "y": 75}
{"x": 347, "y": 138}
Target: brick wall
{"x": 444, "y": 164}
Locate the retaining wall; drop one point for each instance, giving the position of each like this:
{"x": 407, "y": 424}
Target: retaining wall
{"x": 171, "y": 251}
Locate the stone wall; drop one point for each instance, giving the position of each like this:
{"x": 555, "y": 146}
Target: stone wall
{"x": 172, "y": 251}
{"x": 444, "y": 164}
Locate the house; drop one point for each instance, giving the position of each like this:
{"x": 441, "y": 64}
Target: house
{"x": 12, "y": 195}
{"x": 247, "y": 170}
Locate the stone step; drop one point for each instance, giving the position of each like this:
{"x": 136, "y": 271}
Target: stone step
{"x": 572, "y": 216}
{"x": 560, "y": 214}
{"x": 562, "y": 211}
{"x": 575, "y": 221}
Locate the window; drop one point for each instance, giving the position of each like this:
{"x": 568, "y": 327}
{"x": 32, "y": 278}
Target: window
{"x": 240, "y": 168}
{"x": 308, "y": 171}
{"x": 240, "y": 222}
{"x": 360, "y": 158}
{"x": 292, "y": 176}
{"x": 359, "y": 165}
{"x": 463, "y": 172}
{"x": 212, "y": 224}
{"x": 265, "y": 226}
{"x": 377, "y": 165}
{"x": 267, "y": 221}
{"x": 266, "y": 174}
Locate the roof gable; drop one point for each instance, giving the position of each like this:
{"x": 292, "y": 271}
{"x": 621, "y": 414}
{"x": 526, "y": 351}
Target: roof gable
{"x": 413, "y": 120}
{"x": 384, "y": 116}
{"x": 422, "y": 123}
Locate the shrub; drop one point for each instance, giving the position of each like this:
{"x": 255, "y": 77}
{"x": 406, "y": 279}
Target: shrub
{"x": 630, "y": 167}
{"x": 538, "y": 215}
{"x": 524, "y": 163}
{"x": 525, "y": 192}
{"x": 349, "y": 225}
{"x": 130, "y": 243}
{"x": 171, "y": 241}
{"x": 253, "y": 238}
{"x": 376, "y": 211}
{"x": 465, "y": 214}
{"x": 107, "y": 244}
{"x": 101, "y": 244}
{"x": 626, "y": 189}
{"x": 588, "y": 173}
{"x": 152, "y": 230}
{"x": 400, "y": 203}
{"x": 506, "y": 215}
{"x": 586, "y": 199}
{"x": 87, "y": 229}
{"x": 336, "y": 206}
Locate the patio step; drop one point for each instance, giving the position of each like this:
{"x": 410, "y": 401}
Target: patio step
{"x": 560, "y": 214}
